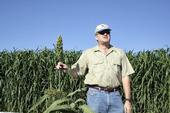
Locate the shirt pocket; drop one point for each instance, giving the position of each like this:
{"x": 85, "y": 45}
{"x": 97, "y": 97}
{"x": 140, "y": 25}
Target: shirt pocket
{"x": 116, "y": 67}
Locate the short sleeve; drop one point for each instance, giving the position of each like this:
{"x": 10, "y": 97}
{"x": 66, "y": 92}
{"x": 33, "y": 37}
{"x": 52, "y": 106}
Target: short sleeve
{"x": 81, "y": 65}
{"x": 127, "y": 68}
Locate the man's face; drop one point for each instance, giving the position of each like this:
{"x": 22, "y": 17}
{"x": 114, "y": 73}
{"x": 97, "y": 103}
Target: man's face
{"x": 103, "y": 37}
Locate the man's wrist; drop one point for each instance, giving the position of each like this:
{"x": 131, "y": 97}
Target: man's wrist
{"x": 128, "y": 99}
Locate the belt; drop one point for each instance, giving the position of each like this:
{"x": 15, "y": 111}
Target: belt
{"x": 107, "y": 89}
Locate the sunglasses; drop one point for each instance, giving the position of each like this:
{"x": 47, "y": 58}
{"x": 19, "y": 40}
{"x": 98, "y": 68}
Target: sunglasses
{"x": 104, "y": 31}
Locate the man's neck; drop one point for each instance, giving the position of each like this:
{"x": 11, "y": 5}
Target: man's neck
{"x": 104, "y": 48}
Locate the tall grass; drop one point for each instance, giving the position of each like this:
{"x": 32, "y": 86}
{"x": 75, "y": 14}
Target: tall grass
{"x": 25, "y": 75}
{"x": 151, "y": 82}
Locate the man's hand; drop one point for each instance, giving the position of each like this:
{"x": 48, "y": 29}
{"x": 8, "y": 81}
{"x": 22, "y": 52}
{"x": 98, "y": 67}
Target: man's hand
{"x": 127, "y": 107}
{"x": 62, "y": 66}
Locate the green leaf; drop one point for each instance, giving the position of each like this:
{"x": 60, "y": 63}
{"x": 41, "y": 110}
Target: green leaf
{"x": 62, "y": 108}
{"x": 80, "y": 100}
{"x": 77, "y": 91}
{"x": 56, "y": 105}
{"x": 39, "y": 102}
{"x": 85, "y": 108}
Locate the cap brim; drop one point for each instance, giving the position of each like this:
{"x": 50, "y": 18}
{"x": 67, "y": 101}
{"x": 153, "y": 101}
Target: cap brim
{"x": 102, "y": 30}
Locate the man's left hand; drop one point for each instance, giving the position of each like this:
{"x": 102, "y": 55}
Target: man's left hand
{"x": 127, "y": 107}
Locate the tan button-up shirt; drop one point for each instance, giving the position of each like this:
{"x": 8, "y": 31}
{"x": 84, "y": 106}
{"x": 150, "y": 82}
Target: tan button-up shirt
{"x": 101, "y": 69}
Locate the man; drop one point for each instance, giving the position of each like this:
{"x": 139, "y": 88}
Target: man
{"x": 105, "y": 68}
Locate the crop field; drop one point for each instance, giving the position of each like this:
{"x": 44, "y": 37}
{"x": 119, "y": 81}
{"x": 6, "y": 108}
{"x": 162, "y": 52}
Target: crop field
{"x": 29, "y": 82}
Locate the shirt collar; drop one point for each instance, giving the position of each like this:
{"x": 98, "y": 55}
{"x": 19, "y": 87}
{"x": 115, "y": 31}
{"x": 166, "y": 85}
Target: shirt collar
{"x": 96, "y": 48}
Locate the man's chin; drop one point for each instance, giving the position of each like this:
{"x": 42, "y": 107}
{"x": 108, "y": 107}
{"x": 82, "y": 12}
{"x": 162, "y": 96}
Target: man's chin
{"x": 105, "y": 43}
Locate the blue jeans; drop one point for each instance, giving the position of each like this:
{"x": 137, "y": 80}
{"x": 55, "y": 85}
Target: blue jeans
{"x": 104, "y": 102}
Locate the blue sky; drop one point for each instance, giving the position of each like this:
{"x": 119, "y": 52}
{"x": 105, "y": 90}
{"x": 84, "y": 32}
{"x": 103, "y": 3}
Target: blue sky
{"x": 35, "y": 24}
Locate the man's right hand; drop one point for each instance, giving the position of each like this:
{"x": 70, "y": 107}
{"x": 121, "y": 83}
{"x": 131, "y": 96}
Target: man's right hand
{"x": 64, "y": 68}
{"x": 61, "y": 66}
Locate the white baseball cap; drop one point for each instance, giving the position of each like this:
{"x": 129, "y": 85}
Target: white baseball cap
{"x": 102, "y": 27}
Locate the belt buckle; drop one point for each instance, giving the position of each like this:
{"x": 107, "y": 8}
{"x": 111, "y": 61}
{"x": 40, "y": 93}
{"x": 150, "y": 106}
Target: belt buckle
{"x": 109, "y": 89}
{"x": 106, "y": 89}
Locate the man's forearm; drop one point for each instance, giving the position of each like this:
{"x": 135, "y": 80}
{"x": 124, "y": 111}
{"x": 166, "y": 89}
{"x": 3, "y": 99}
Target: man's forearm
{"x": 126, "y": 87}
{"x": 73, "y": 73}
